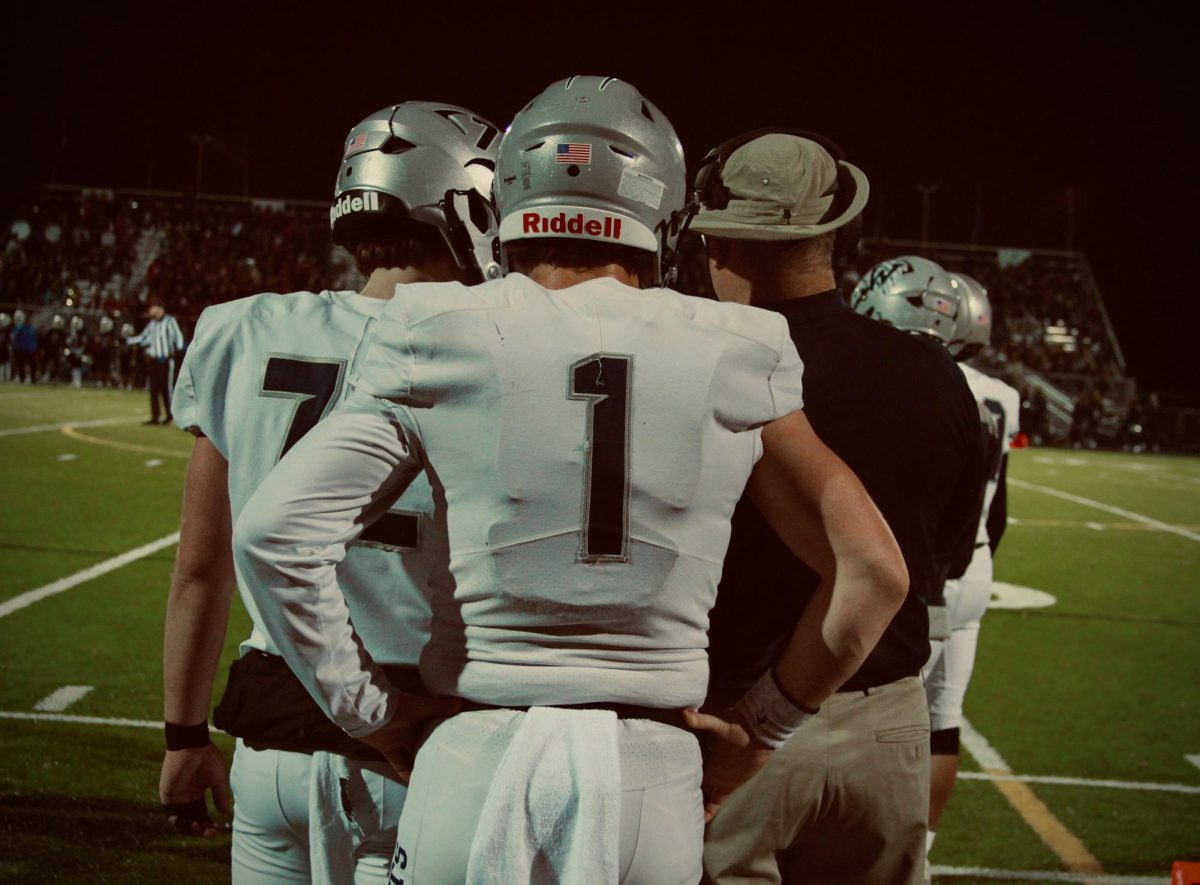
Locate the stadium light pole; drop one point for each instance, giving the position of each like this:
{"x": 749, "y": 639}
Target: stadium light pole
{"x": 927, "y": 189}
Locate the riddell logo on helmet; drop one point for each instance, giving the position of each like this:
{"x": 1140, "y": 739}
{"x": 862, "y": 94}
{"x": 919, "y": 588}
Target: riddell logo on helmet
{"x": 368, "y": 202}
{"x": 608, "y": 229}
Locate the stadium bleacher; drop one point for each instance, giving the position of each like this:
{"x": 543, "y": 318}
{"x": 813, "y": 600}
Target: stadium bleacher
{"x": 96, "y": 252}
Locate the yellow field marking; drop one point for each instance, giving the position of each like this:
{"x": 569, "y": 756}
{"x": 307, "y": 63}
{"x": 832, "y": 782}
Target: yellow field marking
{"x": 70, "y": 431}
{"x": 1052, "y": 831}
{"x": 1069, "y": 848}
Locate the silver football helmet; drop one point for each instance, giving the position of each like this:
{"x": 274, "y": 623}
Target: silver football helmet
{"x": 77, "y": 324}
{"x": 910, "y": 293}
{"x": 5, "y": 321}
{"x": 974, "y": 328}
{"x": 19, "y": 317}
{"x": 57, "y": 322}
{"x": 128, "y": 331}
{"x": 592, "y": 159}
{"x": 106, "y": 325}
{"x": 430, "y": 163}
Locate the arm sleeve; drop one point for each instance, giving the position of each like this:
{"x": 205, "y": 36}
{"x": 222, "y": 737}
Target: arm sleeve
{"x": 185, "y": 405}
{"x": 292, "y": 534}
{"x": 139, "y": 339}
{"x": 997, "y": 519}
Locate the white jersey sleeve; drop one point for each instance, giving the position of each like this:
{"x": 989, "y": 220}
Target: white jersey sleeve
{"x": 1004, "y": 403}
{"x": 260, "y": 374}
{"x": 293, "y": 533}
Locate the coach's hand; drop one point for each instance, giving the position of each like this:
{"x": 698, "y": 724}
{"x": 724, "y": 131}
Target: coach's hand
{"x": 415, "y": 717}
{"x": 732, "y": 755}
{"x": 186, "y": 778}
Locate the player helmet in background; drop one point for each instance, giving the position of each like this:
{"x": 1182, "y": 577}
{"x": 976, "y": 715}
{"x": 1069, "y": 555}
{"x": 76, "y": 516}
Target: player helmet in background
{"x": 127, "y": 330}
{"x": 425, "y": 162}
{"x": 77, "y": 324}
{"x": 5, "y": 321}
{"x": 590, "y": 158}
{"x": 106, "y": 325}
{"x": 57, "y": 322}
{"x": 974, "y": 328}
{"x": 19, "y": 317}
{"x": 910, "y": 293}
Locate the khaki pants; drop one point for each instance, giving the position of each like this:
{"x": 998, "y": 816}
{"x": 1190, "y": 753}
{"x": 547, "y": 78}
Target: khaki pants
{"x": 844, "y": 801}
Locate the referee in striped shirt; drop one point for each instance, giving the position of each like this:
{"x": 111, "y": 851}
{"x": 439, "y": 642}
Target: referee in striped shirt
{"x": 162, "y": 340}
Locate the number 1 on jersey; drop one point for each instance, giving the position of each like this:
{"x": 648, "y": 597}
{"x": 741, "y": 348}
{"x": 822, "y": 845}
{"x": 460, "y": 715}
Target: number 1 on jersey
{"x": 603, "y": 381}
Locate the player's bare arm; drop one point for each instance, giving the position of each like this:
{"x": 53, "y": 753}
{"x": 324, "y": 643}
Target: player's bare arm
{"x": 202, "y": 587}
{"x": 820, "y": 510}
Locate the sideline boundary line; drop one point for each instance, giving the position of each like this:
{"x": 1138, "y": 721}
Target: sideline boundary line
{"x": 1044, "y": 876}
{"x": 46, "y": 428}
{"x": 80, "y": 720}
{"x": 1108, "y": 508}
{"x": 1057, "y": 780}
{"x": 1053, "y": 832}
{"x": 101, "y": 568}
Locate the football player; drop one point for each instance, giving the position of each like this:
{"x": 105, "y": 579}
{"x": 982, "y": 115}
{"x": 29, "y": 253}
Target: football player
{"x": 918, "y": 296}
{"x": 588, "y": 432}
{"x": 410, "y": 205}
{"x": 950, "y": 666}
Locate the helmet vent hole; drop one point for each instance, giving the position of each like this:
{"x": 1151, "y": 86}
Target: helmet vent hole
{"x": 396, "y": 145}
{"x": 572, "y": 170}
{"x": 646, "y": 112}
{"x": 534, "y": 147}
{"x": 607, "y": 80}
{"x": 349, "y": 171}
{"x": 489, "y": 135}
{"x": 619, "y": 152}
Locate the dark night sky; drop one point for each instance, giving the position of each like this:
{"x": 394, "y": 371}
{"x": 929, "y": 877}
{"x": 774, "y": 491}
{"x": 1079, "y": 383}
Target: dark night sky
{"x": 1008, "y": 107}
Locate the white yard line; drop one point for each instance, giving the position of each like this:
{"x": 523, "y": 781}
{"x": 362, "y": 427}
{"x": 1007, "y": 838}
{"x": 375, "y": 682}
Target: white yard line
{"x": 61, "y": 698}
{"x": 1108, "y": 508}
{"x": 1045, "y": 876}
{"x": 80, "y": 720}
{"x": 27, "y": 599}
{"x": 46, "y": 428}
{"x": 1187, "y": 789}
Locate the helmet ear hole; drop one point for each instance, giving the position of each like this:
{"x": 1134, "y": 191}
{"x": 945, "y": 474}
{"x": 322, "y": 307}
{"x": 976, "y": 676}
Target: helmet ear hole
{"x": 396, "y": 145}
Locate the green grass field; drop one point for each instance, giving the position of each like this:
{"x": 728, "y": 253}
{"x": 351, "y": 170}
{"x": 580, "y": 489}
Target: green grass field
{"x": 1104, "y": 685}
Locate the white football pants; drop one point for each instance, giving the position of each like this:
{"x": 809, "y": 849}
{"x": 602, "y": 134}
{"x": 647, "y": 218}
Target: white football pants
{"x": 952, "y": 662}
{"x": 271, "y": 820}
{"x": 662, "y": 813}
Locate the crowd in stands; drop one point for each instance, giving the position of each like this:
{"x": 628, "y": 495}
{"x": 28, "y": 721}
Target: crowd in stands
{"x": 100, "y": 255}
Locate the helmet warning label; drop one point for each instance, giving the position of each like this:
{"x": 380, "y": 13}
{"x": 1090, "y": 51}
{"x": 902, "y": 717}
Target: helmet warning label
{"x": 641, "y": 187}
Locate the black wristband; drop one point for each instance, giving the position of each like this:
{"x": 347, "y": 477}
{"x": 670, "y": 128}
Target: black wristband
{"x": 186, "y": 737}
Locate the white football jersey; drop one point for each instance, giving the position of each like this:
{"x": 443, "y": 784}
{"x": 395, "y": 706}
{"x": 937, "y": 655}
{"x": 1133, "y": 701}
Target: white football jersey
{"x": 259, "y": 375}
{"x": 588, "y": 444}
{"x": 1004, "y": 402}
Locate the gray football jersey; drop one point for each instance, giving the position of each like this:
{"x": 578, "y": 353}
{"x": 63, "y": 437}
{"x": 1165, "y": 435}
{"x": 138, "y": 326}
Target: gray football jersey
{"x": 260, "y": 373}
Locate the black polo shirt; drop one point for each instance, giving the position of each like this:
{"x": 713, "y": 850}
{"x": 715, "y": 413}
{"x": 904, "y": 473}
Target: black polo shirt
{"x": 896, "y": 408}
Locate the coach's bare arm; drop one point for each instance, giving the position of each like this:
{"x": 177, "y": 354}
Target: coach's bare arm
{"x": 817, "y": 506}
{"x": 202, "y": 587}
